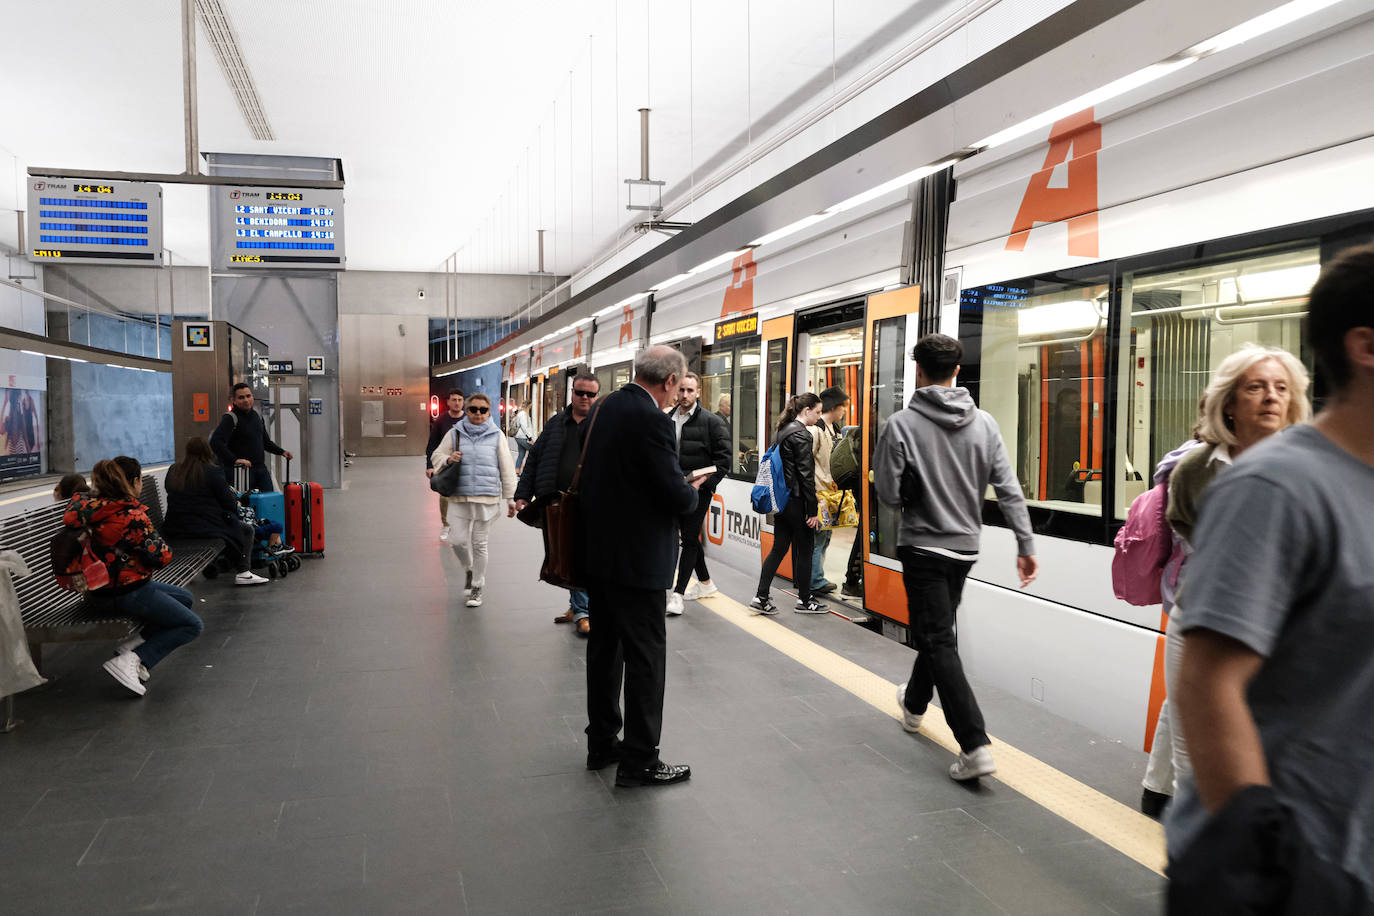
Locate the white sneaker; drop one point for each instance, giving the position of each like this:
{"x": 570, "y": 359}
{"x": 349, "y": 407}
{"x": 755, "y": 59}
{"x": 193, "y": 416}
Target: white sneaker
{"x": 130, "y": 644}
{"x": 248, "y": 577}
{"x": 910, "y": 721}
{"x": 693, "y": 589}
{"x": 124, "y": 668}
{"x": 972, "y": 765}
{"x": 698, "y": 590}
{"x": 674, "y": 604}
{"x": 475, "y": 597}
{"x": 444, "y": 532}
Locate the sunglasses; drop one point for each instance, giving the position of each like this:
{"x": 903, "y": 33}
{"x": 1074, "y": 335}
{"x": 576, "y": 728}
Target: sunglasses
{"x": 583, "y": 394}
{"x": 479, "y": 410}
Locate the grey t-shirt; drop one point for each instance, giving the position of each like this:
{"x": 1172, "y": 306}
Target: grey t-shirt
{"x": 1284, "y": 564}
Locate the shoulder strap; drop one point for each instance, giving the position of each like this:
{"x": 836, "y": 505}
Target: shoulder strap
{"x": 577, "y": 475}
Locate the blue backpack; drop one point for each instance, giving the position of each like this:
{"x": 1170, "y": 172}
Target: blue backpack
{"x": 770, "y": 493}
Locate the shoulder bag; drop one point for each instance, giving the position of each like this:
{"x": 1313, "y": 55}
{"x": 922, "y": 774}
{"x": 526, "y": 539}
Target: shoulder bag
{"x": 560, "y": 527}
{"x": 445, "y": 480}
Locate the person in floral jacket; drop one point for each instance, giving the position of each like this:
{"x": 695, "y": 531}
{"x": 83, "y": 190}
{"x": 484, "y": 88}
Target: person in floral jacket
{"x": 124, "y": 539}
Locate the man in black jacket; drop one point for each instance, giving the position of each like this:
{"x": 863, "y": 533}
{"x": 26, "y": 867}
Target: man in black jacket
{"x": 549, "y": 469}
{"x": 633, "y": 490}
{"x": 437, "y": 431}
{"x": 703, "y": 440}
{"x": 241, "y": 439}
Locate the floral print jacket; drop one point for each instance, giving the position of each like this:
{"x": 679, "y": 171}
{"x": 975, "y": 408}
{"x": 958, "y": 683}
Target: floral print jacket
{"x": 122, "y": 536}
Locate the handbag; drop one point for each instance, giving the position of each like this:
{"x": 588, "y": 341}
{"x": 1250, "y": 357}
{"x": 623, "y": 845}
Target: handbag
{"x": 835, "y": 511}
{"x": 560, "y": 528}
{"x": 75, "y": 566}
{"x": 445, "y": 480}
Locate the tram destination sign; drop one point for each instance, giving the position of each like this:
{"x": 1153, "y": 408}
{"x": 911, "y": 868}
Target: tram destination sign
{"x": 73, "y": 221}
{"x": 278, "y": 228}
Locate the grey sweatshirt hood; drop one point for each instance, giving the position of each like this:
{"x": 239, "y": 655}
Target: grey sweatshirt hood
{"x": 951, "y": 408}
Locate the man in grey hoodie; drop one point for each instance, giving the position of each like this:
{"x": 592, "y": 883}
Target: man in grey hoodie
{"x": 935, "y": 460}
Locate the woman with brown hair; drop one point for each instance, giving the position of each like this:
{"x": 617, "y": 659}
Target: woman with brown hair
{"x": 795, "y": 526}
{"x": 124, "y": 539}
{"x": 201, "y": 504}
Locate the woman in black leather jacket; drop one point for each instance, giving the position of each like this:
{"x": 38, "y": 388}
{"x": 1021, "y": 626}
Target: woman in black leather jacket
{"x": 794, "y": 527}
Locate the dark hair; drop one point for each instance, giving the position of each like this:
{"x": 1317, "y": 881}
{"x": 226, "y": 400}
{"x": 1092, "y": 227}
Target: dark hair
{"x": 1341, "y": 300}
{"x": 453, "y": 391}
{"x": 71, "y": 484}
{"x": 938, "y": 355}
{"x": 130, "y": 466}
{"x": 833, "y": 397}
{"x": 238, "y": 385}
{"x": 190, "y": 470}
{"x": 110, "y": 480}
{"x": 586, "y": 378}
{"x": 795, "y": 405}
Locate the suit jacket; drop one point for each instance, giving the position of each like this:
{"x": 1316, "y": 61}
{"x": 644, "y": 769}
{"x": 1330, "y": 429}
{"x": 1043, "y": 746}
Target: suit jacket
{"x": 632, "y": 491}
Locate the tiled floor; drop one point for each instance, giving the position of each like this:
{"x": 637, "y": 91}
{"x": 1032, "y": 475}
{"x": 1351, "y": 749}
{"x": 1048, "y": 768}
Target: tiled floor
{"x": 353, "y": 740}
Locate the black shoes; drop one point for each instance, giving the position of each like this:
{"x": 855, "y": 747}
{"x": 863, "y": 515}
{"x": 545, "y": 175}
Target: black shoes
{"x": 599, "y": 760}
{"x": 825, "y": 589}
{"x": 1153, "y": 803}
{"x": 852, "y": 589}
{"x": 656, "y": 774}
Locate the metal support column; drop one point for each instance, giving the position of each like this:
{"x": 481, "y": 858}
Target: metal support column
{"x": 188, "y": 77}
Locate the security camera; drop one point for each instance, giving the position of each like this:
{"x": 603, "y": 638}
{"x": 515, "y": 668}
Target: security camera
{"x": 422, "y": 294}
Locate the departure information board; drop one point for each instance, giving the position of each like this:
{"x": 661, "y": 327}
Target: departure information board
{"x": 278, "y": 228}
{"x": 94, "y": 222}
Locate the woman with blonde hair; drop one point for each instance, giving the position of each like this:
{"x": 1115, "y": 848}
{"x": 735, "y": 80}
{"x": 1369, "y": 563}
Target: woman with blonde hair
{"x": 1254, "y": 393}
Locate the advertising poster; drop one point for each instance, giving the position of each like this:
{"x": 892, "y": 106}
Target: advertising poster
{"x": 21, "y": 433}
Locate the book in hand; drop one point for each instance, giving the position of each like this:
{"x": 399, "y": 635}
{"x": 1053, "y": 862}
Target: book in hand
{"x": 702, "y": 472}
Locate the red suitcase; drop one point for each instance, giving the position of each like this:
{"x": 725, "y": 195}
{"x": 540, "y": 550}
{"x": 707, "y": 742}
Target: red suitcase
{"x": 304, "y": 516}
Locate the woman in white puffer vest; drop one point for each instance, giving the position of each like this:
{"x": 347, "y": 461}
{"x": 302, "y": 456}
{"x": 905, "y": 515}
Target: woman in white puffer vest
{"x": 486, "y": 478}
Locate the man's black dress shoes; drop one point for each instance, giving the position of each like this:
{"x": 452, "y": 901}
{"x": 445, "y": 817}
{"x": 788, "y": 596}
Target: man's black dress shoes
{"x": 656, "y": 774}
{"x": 597, "y": 760}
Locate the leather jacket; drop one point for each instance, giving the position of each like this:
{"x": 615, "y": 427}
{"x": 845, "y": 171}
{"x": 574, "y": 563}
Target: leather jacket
{"x": 798, "y": 464}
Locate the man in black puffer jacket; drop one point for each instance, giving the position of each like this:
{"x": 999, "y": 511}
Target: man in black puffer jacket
{"x": 241, "y": 439}
{"x": 549, "y": 469}
{"x": 703, "y": 440}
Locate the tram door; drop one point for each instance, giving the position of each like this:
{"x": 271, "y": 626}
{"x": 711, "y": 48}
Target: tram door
{"x": 890, "y": 331}
{"x": 776, "y": 342}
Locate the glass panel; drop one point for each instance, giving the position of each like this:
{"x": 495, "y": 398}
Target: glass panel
{"x": 717, "y": 381}
{"x": 885, "y": 399}
{"x": 777, "y": 385}
{"x": 1042, "y": 368}
{"x": 746, "y": 411}
{"x": 620, "y": 376}
{"x": 1178, "y": 325}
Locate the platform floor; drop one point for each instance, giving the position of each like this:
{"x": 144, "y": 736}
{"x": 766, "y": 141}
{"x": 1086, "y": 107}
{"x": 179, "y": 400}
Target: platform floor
{"x": 353, "y": 740}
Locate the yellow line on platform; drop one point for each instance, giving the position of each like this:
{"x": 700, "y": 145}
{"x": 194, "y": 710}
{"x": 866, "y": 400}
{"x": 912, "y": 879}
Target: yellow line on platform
{"x": 1119, "y": 826}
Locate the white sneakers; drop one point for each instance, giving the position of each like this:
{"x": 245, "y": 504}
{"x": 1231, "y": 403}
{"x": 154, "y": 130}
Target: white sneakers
{"x": 698, "y": 590}
{"x": 128, "y": 646}
{"x": 970, "y": 766}
{"x": 444, "y": 532}
{"x": 248, "y": 577}
{"x": 124, "y": 668}
{"x": 674, "y": 604}
{"x": 910, "y": 721}
{"x": 475, "y": 597}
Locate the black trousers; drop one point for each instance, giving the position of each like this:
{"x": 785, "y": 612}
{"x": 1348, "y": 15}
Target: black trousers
{"x": 693, "y": 558}
{"x": 934, "y": 586}
{"x": 238, "y": 550}
{"x": 790, "y": 530}
{"x": 854, "y": 572}
{"x": 628, "y": 645}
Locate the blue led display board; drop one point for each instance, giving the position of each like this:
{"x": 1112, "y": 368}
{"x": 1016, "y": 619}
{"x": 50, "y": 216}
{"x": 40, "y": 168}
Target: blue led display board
{"x": 72, "y": 221}
{"x": 278, "y": 228}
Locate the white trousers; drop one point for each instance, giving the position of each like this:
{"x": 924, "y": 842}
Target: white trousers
{"x": 1169, "y": 754}
{"x": 469, "y": 540}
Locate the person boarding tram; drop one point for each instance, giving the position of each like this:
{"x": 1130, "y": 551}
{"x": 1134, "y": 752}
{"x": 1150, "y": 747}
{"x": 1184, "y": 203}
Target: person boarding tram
{"x": 825, "y": 435}
{"x": 437, "y": 430}
{"x": 703, "y": 440}
{"x": 795, "y": 526}
{"x": 934, "y": 461}
{"x": 1278, "y": 647}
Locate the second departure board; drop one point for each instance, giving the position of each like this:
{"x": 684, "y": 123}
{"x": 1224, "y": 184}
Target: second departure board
{"x": 278, "y": 228}
{"x": 72, "y": 220}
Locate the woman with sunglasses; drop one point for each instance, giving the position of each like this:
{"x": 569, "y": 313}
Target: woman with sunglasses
{"x": 486, "y": 477}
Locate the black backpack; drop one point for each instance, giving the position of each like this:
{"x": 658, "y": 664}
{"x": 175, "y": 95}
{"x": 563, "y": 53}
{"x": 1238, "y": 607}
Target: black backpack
{"x": 844, "y": 461}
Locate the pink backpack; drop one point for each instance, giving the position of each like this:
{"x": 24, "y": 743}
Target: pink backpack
{"x": 1143, "y": 547}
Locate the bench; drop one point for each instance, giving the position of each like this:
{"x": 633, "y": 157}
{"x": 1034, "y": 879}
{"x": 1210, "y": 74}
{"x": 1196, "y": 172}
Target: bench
{"x": 52, "y": 614}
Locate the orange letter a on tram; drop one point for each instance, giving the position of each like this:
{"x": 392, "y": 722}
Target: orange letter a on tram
{"x": 739, "y": 295}
{"x": 1080, "y": 136}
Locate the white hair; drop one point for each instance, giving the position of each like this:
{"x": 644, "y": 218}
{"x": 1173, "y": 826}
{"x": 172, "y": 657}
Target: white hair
{"x": 657, "y": 364}
{"x": 1213, "y": 426}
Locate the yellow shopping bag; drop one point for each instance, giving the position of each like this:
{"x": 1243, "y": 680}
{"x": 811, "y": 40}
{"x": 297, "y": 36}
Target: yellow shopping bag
{"x": 837, "y": 510}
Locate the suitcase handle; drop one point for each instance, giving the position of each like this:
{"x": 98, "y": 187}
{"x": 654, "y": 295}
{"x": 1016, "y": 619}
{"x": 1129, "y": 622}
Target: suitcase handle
{"x": 288, "y": 473}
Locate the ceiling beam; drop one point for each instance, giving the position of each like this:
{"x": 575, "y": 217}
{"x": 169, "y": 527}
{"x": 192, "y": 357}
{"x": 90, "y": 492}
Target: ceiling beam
{"x": 11, "y": 339}
{"x": 165, "y": 178}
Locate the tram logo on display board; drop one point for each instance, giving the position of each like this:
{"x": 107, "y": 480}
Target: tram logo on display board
{"x": 739, "y": 295}
{"x": 1076, "y": 201}
{"x": 715, "y": 520}
{"x": 627, "y": 327}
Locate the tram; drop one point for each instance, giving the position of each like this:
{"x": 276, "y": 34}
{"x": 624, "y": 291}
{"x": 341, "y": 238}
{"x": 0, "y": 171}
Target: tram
{"x": 1096, "y": 271}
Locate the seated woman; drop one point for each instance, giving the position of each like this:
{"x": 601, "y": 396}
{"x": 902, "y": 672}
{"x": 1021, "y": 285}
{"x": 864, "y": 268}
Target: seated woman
{"x": 124, "y": 539}
{"x": 200, "y": 504}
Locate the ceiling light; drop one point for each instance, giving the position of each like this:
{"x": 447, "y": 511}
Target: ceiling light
{"x": 888, "y": 187}
{"x": 33, "y": 352}
{"x": 787, "y": 230}
{"x": 1287, "y": 283}
{"x": 1260, "y": 25}
{"x": 73, "y": 359}
{"x": 671, "y": 281}
{"x": 718, "y": 260}
{"x": 1055, "y": 318}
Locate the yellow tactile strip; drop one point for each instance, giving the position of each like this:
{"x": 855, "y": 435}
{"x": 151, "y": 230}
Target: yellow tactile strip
{"x": 1119, "y": 826}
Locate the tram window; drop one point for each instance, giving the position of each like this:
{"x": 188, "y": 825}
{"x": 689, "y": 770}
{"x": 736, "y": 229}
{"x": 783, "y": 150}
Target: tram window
{"x": 1177, "y": 326}
{"x": 613, "y": 378}
{"x": 777, "y": 387}
{"x": 730, "y": 388}
{"x": 1042, "y": 371}
{"x": 886, "y": 397}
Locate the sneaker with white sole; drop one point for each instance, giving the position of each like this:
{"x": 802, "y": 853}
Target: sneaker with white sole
{"x": 910, "y": 720}
{"x": 674, "y": 604}
{"x": 248, "y": 577}
{"x": 444, "y": 532}
{"x": 280, "y": 550}
{"x": 761, "y": 605}
{"x": 124, "y": 668}
{"x": 972, "y": 765}
{"x": 129, "y": 645}
{"x": 475, "y": 597}
{"x": 811, "y": 606}
{"x": 698, "y": 590}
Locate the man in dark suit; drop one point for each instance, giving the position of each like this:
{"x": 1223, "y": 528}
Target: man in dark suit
{"x": 633, "y": 491}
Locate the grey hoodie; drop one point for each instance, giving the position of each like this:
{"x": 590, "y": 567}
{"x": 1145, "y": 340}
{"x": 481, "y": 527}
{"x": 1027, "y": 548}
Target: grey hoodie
{"x": 935, "y": 460}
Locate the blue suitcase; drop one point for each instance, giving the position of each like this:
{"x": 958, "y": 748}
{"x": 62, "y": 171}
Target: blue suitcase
{"x": 269, "y": 507}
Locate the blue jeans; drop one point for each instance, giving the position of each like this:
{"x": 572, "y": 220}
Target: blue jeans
{"x": 818, "y": 558}
{"x": 522, "y": 448}
{"x": 577, "y": 598}
{"x": 164, "y": 612}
